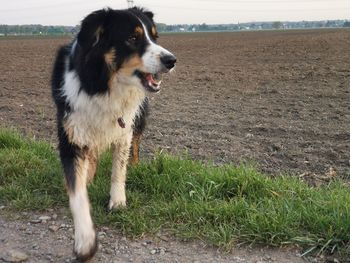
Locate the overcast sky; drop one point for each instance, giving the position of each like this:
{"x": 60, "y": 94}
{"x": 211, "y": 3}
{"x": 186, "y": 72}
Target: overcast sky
{"x": 71, "y": 12}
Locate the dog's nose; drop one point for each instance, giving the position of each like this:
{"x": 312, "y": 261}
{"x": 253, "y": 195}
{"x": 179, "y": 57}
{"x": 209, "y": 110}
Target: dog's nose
{"x": 168, "y": 61}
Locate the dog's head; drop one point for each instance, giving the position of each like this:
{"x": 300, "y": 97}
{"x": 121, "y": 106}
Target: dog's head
{"x": 122, "y": 43}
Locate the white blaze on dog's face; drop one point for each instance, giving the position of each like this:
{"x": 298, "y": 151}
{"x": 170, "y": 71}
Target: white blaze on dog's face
{"x": 156, "y": 59}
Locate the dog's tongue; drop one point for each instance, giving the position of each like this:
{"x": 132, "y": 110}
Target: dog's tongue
{"x": 151, "y": 80}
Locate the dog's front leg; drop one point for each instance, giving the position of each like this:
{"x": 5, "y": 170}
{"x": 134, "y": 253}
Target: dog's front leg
{"x": 79, "y": 168}
{"x": 121, "y": 151}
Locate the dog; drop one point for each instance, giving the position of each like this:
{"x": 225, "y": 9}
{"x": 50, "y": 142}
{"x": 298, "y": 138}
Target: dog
{"x": 100, "y": 84}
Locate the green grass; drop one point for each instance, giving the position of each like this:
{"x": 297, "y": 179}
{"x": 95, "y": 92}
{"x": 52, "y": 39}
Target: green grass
{"x": 222, "y": 205}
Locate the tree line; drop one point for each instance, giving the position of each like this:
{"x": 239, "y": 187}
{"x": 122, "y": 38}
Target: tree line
{"x": 36, "y": 30}
{"x": 6, "y": 30}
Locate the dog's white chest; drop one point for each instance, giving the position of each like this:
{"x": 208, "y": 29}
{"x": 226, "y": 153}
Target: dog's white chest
{"x": 93, "y": 121}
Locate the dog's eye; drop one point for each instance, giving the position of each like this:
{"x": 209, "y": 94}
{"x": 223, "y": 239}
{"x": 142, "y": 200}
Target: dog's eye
{"x": 132, "y": 39}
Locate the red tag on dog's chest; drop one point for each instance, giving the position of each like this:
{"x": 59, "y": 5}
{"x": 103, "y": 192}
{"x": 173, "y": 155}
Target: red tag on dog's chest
{"x": 121, "y": 122}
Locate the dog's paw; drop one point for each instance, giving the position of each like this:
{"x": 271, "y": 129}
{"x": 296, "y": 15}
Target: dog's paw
{"x": 115, "y": 205}
{"x": 117, "y": 199}
{"x": 85, "y": 246}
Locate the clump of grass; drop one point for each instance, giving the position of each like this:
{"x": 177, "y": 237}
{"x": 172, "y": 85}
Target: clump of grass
{"x": 222, "y": 205}
{"x": 30, "y": 173}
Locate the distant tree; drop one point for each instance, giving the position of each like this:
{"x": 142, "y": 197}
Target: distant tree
{"x": 277, "y": 25}
{"x": 161, "y": 27}
{"x": 346, "y": 24}
{"x": 320, "y": 24}
{"x": 4, "y": 29}
{"x": 235, "y": 27}
{"x": 203, "y": 27}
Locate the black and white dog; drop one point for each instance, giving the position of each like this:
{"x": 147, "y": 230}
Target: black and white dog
{"x": 99, "y": 84}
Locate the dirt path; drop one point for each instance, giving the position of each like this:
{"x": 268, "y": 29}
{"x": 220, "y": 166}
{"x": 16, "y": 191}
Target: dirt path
{"x": 51, "y": 241}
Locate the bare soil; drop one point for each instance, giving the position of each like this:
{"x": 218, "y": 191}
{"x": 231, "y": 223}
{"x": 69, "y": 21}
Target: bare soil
{"x": 279, "y": 99}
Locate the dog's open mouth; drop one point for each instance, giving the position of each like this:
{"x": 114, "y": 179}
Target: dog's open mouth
{"x": 151, "y": 82}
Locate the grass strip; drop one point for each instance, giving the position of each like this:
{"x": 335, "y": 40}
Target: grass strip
{"x": 221, "y": 205}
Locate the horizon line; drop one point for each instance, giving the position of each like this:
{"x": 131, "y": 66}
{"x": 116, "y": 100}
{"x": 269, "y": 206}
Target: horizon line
{"x": 269, "y": 21}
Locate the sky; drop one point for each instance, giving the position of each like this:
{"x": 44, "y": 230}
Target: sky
{"x": 71, "y": 12}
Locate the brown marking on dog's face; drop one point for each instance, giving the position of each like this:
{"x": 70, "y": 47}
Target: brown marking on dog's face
{"x": 127, "y": 69}
{"x": 154, "y": 32}
{"x": 139, "y": 31}
{"x": 130, "y": 65}
{"x": 110, "y": 57}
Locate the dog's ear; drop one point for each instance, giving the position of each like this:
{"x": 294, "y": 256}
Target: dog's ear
{"x": 144, "y": 11}
{"x": 92, "y": 29}
{"x": 93, "y": 70}
{"x": 149, "y": 14}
